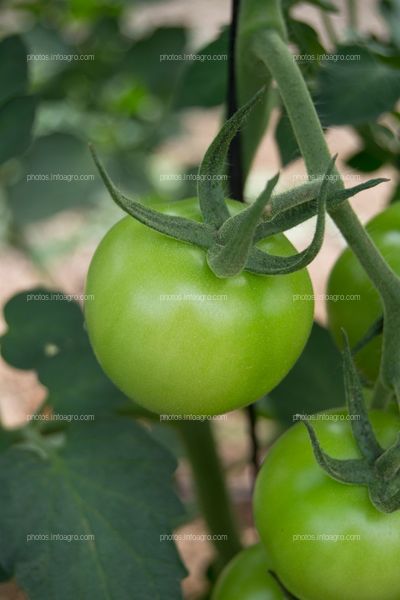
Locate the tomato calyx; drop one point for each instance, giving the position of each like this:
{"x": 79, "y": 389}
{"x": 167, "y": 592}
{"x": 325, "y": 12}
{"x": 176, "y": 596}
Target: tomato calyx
{"x": 228, "y": 240}
{"x": 292, "y": 207}
{"x": 378, "y": 469}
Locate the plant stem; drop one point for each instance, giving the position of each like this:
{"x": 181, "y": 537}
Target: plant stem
{"x": 352, "y": 14}
{"x": 329, "y": 28}
{"x": 271, "y": 48}
{"x": 235, "y": 167}
{"x": 252, "y": 420}
{"x": 381, "y": 396}
{"x": 210, "y": 485}
{"x": 236, "y": 182}
{"x": 313, "y": 146}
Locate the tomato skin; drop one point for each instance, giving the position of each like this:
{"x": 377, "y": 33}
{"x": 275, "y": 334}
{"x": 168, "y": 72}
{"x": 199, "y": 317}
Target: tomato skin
{"x": 195, "y": 356}
{"x": 295, "y": 497}
{"x": 349, "y": 278}
{"x": 246, "y": 577}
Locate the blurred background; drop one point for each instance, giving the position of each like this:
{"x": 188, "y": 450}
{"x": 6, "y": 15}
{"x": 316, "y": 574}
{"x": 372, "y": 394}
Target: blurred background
{"x": 93, "y": 70}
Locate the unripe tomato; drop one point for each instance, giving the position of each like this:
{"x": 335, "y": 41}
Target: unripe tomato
{"x": 177, "y": 339}
{"x": 246, "y": 577}
{"x": 325, "y": 539}
{"x": 348, "y": 279}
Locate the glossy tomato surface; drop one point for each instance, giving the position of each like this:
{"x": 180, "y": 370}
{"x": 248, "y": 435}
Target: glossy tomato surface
{"x": 325, "y": 539}
{"x": 353, "y": 303}
{"x": 179, "y": 340}
{"x": 246, "y": 577}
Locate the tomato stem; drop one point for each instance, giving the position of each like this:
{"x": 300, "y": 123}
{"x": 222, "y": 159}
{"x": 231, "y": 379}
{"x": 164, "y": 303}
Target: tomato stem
{"x": 211, "y": 487}
{"x": 235, "y": 164}
{"x": 270, "y": 47}
{"x": 329, "y": 28}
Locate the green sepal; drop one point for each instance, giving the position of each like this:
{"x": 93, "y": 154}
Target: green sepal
{"x": 378, "y": 469}
{"x": 179, "y": 228}
{"x": 299, "y": 204}
{"x": 230, "y": 253}
{"x": 360, "y": 424}
{"x": 385, "y": 496}
{"x": 373, "y": 331}
{"x": 354, "y": 471}
{"x": 263, "y": 263}
{"x": 388, "y": 464}
{"x": 210, "y": 190}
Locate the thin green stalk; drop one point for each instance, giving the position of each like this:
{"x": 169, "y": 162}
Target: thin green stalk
{"x": 381, "y": 396}
{"x": 313, "y": 146}
{"x": 271, "y": 48}
{"x": 352, "y": 14}
{"x": 211, "y": 488}
{"x": 329, "y": 28}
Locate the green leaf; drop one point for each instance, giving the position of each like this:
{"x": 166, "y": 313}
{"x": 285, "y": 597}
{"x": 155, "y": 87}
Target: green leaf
{"x": 367, "y": 161}
{"x": 287, "y": 143}
{"x": 46, "y": 333}
{"x": 314, "y": 384}
{"x": 16, "y": 121}
{"x": 307, "y": 40}
{"x": 379, "y": 147}
{"x": 352, "y": 92}
{"x": 13, "y": 68}
{"x": 204, "y": 81}
{"x": 324, "y": 4}
{"x": 154, "y": 60}
{"x": 57, "y": 173}
{"x": 110, "y": 480}
{"x": 4, "y": 576}
{"x": 390, "y": 10}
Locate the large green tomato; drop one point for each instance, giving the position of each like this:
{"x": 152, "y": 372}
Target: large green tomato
{"x": 246, "y": 577}
{"x": 325, "y": 539}
{"x": 177, "y": 339}
{"x": 349, "y": 279}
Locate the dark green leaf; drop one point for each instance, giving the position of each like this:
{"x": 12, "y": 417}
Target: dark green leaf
{"x": 57, "y": 174}
{"x": 324, "y": 4}
{"x": 352, "y": 91}
{"x": 13, "y": 68}
{"x": 367, "y": 161}
{"x": 155, "y": 61}
{"x": 204, "y": 81}
{"x": 16, "y": 121}
{"x": 108, "y": 481}
{"x": 390, "y": 10}
{"x": 307, "y": 40}
{"x": 46, "y": 333}
{"x": 314, "y": 384}
{"x": 4, "y": 576}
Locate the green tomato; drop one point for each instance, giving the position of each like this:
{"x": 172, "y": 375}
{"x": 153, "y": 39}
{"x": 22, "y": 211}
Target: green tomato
{"x": 349, "y": 279}
{"x": 325, "y": 539}
{"x": 246, "y": 577}
{"x": 177, "y": 339}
